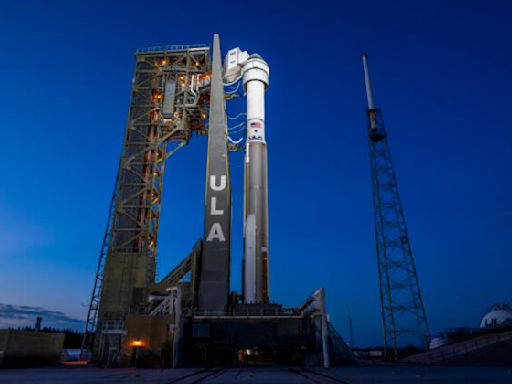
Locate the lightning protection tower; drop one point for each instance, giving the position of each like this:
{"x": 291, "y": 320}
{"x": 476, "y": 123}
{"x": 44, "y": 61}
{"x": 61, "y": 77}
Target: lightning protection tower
{"x": 403, "y": 314}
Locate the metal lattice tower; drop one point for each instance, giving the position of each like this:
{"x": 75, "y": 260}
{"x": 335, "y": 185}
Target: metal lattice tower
{"x": 168, "y": 104}
{"x": 403, "y": 315}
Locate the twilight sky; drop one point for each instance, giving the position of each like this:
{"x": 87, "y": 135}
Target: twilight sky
{"x": 442, "y": 74}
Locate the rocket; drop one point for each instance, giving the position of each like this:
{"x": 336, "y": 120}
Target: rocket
{"x": 256, "y": 281}
{"x": 255, "y": 72}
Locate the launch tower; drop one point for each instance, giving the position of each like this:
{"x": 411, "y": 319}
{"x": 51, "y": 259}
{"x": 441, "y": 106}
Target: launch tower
{"x": 191, "y": 317}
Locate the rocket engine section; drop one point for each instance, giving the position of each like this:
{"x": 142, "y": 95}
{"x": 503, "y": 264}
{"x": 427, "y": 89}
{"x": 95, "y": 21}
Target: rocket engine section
{"x": 255, "y": 72}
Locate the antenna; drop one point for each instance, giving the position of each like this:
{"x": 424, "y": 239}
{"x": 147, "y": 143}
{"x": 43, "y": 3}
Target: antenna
{"x": 369, "y": 95}
{"x": 368, "y": 83}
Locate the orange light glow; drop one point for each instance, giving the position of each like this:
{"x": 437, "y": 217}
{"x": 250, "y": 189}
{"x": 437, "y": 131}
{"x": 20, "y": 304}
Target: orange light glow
{"x": 136, "y": 343}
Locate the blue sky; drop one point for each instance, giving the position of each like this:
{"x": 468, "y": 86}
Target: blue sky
{"x": 442, "y": 71}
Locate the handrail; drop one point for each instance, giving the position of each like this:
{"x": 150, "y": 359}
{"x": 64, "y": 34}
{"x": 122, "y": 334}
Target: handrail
{"x": 170, "y": 48}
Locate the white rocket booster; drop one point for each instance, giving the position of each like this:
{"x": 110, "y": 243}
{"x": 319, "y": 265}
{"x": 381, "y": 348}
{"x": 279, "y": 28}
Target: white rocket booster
{"x": 255, "y": 80}
{"x": 255, "y": 73}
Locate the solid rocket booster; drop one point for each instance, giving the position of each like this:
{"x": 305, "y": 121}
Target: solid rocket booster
{"x": 256, "y": 281}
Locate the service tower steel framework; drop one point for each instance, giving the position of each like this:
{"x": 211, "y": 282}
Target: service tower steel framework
{"x": 403, "y": 314}
{"x": 168, "y": 104}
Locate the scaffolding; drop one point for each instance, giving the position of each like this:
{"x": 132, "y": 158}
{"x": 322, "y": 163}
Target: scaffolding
{"x": 168, "y": 105}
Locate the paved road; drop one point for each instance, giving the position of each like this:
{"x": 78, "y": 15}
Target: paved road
{"x": 269, "y": 375}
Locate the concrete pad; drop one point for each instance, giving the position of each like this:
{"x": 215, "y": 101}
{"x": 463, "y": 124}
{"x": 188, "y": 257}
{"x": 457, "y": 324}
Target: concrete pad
{"x": 268, "y": 375}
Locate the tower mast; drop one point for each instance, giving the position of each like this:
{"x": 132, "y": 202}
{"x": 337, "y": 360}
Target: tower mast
{"x": 403, "y": 314}
{"x": 214, "y": 282}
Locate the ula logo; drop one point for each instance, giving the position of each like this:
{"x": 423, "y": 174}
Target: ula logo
{"x": 216, "y": 231}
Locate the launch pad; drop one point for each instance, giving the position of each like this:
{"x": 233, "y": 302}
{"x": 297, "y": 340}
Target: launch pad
{"x": 190, "y": 317}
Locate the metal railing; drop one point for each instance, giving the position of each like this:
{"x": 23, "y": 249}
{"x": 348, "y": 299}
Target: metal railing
{"x": 251, "y": 312}
{"x": 161, "y": 48}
